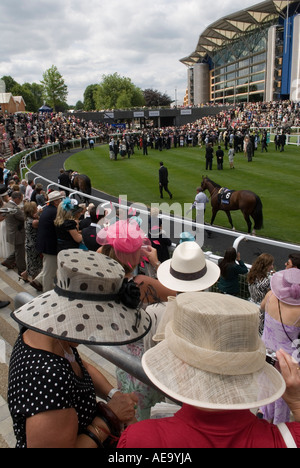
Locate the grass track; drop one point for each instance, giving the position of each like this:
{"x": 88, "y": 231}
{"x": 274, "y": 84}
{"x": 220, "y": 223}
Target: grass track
{"x": 274, "y": 176}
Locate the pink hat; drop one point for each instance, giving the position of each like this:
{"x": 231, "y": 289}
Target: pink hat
{"x": 285, "y": 285}
{"x": 127, "y": 240}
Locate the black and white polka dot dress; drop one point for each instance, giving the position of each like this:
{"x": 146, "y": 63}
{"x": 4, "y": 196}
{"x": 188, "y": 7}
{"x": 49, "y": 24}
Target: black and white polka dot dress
{"x": 41, "y": 381}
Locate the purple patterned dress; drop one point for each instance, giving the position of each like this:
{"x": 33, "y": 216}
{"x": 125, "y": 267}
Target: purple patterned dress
{"x": 275, "y": 338}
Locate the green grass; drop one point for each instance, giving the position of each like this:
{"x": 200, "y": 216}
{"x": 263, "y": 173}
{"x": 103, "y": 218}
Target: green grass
{"x": 274, "y": 176}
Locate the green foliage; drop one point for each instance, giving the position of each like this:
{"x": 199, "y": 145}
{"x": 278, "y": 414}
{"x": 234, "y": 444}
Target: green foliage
{"x": 90, "y": 97}
{"x": 154, "y": 98}
{"x": 55, "y": 91}
{"x": 116, "y": 92}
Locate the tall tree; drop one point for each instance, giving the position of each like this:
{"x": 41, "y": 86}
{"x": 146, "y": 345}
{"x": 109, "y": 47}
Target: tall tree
{"x": 55, "y": 91}
{"x": 116, "y": 92}
{"x": 154, "y": 98}
{"x": 89, "y": 102}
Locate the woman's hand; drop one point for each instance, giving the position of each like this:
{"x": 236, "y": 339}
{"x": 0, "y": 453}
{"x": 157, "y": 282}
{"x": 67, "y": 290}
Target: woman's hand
{"x": 290, "y": 371}
{"x": 124, "y": 406}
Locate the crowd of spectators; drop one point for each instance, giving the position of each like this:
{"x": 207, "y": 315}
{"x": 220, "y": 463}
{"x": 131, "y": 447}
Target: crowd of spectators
{"x": 65, "y": 217}
{"x": 26, "y": 131}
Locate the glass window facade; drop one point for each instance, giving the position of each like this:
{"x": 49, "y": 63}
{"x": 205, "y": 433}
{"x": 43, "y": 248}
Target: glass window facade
{"x": 239, "y": 70}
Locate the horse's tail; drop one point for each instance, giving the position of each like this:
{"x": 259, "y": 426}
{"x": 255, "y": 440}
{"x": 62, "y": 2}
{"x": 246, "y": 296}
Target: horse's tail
{"x": 88, "y": 186}
{"x": 257, "y": 214}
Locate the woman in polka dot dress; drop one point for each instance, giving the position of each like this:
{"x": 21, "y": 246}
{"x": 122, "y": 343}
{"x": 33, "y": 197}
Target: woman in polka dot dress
{"x": 52, "y": 391}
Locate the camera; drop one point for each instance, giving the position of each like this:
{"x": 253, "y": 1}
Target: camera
{"x": 271, "y": 357}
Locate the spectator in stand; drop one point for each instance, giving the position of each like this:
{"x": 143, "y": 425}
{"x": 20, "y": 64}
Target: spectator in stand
{"x": 192, "y": 366}
{"x": 29, "y": 190}
{"x": 47, "y": 243}
{"x": 34, "y": 261}
{"x": 15, "y": 233}
{"x": 66, "y": 225}
{"x": 52, "y": 390}
{"x": 258, "y": 279}
{"x": 231, "y": 267}
{"x": 282, "y": 328}
{"x": 89, "y": 233}
{"x": 293, "y": 260}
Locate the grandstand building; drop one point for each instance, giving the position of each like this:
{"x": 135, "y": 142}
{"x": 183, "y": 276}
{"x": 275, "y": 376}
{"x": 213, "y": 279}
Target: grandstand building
{"x": 252, "y": 55}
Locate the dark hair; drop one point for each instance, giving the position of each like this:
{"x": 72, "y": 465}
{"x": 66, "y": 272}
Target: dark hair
{"x": 229, "y": 258}
{"x": 295, "y": 259}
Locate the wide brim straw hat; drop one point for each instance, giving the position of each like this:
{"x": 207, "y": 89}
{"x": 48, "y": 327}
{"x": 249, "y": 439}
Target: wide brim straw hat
{"x": 188, "y": 270}
{"x": 55, "y": 195}
{"x": 285, "y": 285}
{"x": 212, "y": 356}
{"x": 92, "y": 303}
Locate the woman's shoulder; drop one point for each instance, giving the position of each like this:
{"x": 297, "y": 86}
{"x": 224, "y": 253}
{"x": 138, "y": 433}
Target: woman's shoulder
{"x": 69, "y": 224}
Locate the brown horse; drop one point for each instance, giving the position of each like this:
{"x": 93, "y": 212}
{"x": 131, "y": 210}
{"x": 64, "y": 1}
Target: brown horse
{"x": 82, "y": 183}
{"x": 248, "y": 202}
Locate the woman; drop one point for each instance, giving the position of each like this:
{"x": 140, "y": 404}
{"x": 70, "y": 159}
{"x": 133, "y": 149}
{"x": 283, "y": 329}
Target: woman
{"x": 34, "y": 260}
{"x": 217, "y": 393}
{"x": 282, "y": 327}
{"x": 259, "y": 277}
{"x": 66, "y": 225}
{"x": 125, "y": 242}
{"x": 259, "y": 281}
{"x": 52, "y": 391}
{"x": 231, "y": 267}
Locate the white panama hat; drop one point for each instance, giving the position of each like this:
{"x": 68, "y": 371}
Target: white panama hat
{"x": 188, "y": 270}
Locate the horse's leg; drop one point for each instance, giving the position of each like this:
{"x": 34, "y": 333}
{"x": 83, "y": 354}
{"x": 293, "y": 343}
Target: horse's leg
{"x": 230, "y": 219}
{"x": 213, "y": 217}
{"x": 248, "y": 221}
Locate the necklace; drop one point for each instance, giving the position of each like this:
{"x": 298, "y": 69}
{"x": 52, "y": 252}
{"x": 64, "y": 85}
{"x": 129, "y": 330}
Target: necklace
{"x": 69, "y": 356}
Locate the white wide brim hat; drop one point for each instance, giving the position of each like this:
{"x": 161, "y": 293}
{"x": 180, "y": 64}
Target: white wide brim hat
{"x": 92, "y": 303}
{"x": 188, "y": 270}
{"x": 212, "y": 356}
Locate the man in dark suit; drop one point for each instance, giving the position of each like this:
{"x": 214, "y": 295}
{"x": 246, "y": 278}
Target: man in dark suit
{"x": 164, "y": 180}
{"x": 64, "y": 180}
{"x": 47, "y": 244}
{"x": 89, "y": 233}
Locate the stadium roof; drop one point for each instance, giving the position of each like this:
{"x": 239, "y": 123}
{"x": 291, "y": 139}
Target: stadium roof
{"x": 233, "y": 26}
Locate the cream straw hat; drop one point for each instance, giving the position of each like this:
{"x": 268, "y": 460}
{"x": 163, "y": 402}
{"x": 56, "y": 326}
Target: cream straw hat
{"x": 212, "y": 356}
{"x": 92, "y": 303}
{"x": 188, "y": 270}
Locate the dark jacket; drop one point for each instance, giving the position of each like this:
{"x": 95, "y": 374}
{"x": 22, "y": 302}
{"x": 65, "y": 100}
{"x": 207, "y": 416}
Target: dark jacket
{"x": 46, "y": 235}
{"x": 163, "y": 175}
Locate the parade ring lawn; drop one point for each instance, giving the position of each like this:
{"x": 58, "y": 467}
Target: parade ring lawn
{"x": 274, "y": 176}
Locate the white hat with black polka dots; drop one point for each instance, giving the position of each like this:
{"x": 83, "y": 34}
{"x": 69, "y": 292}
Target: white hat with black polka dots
{"x": 92, "y": 303}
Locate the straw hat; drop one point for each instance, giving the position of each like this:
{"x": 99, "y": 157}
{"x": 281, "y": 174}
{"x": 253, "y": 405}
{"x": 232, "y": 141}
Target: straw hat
{"x": 92, "y": 303}
{"x": 55, "y": 195}
{"x": 188, "y": 270}
{"x": 212, "y": 356}
{"x": 285, "y": 285}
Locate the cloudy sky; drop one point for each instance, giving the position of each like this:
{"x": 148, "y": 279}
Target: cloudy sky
{"x": 86, "y": 39}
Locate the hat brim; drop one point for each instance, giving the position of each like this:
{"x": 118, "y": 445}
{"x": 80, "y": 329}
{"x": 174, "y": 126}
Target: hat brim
{"x": 277, "y": 289}
{"x": 166, "y": 279}
{"x": 201, "y": 389}
{"x": 86, "y": 322}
